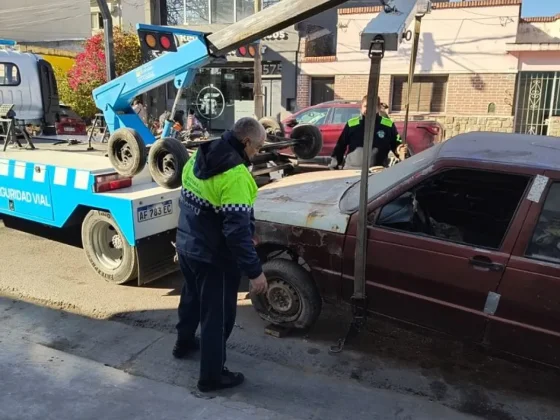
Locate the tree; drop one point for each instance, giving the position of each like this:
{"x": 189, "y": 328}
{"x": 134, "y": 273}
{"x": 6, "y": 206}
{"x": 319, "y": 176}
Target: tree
{"x": 89, "y": 70}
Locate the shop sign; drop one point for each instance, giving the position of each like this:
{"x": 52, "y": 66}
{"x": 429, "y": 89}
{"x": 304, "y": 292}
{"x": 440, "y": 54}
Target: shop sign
{"x": 269, "y": 69}
{"x": 210, "y": 102}
{"x": 277, "y": 36}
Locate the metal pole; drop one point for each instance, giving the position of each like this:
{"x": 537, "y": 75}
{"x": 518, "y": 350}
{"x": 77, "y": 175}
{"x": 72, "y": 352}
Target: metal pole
{"x": 359, "y": 301}
{"x": 257, "y": 86}
{"x": 108, "y": 35}
{"x": 413, "y": 54}
{"x": 375, "y": 54}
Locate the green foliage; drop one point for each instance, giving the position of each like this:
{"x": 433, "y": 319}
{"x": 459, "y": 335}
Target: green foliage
{"x": 89, "y": 70}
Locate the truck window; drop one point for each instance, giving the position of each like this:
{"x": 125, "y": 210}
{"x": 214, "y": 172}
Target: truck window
{"x": 9, "y": 74}
{"x": 545, "y": 243}
{"x": 465, "y": 206}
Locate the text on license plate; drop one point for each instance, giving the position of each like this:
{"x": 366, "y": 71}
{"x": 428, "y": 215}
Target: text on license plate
{"x": 154, "y": 211}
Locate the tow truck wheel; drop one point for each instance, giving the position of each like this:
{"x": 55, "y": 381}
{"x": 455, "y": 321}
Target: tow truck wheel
{"x": 106, "y": 248}
{"x": 311, "y": 141}
{"x": 292, "y": 299}
{"x": 271, "y": 127}
{"x": 166, "y": 160}
{"x": 127, "y": 152}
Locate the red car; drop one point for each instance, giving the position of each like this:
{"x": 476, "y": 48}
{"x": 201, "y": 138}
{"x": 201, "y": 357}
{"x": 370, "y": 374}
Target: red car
{"x": 331, "y": 117}
{"x": 70, "y": 123}
{"x": 463, "y": 238}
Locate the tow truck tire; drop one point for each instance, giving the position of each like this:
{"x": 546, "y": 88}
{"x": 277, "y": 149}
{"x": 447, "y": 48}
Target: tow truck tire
{"x": 107, "y": 250}
{"x": 127, "y": 152}
{"x": 166, "y": 161}
{"x": 292, "y": 299}
{"x": 271, "y": 126}
{"x": 312, "y": 143}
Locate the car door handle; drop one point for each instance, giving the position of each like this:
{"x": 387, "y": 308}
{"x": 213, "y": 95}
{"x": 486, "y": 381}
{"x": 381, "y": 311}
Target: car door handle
{"x": 480, "y": 262}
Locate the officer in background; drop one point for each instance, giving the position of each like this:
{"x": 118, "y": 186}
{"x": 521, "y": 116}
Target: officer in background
{"x": 348, "y": 151}
{"x": 215, "y": 246}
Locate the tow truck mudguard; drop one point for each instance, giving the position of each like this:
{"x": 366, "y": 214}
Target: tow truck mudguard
{"x": 155, "y": 265}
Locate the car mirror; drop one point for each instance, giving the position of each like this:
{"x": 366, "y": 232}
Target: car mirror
{"x": 397, "y": 212}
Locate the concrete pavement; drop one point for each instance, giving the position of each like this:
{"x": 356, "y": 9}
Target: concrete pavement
{"x": 74, "y": 367}
{"x": 384, "y": 357}
{"x": 40, "y": 382}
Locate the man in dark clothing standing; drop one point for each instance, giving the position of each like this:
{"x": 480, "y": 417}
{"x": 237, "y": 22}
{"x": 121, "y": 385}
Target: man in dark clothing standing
{"x": 215, "y": 246}
{"x": 348, "y": 151}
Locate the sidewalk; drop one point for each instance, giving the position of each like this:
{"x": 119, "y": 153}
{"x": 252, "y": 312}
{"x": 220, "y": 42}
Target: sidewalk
{"x": 39, "y": 382}
{"x": 67, "y": 367}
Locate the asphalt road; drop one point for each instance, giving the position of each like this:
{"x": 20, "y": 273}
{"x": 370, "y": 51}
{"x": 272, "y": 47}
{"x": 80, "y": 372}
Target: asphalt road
{"x": 49, "y": 271}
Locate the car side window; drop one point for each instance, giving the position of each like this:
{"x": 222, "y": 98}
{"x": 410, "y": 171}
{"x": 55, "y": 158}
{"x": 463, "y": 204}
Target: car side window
{"x": 459, "y": 205}
{"x": 315, "y": 116}
{"x": 545, "y": 243}
{"x": 342, "y": 115}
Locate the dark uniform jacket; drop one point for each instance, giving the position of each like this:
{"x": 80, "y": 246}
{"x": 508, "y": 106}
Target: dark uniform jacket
{"x": 386, "y": 139}
{"x": 216, "y": 220}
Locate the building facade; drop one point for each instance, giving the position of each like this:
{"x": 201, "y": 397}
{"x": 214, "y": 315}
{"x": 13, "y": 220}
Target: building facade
{"x": 472, "y": 71}
{"x": 223, "y": 91}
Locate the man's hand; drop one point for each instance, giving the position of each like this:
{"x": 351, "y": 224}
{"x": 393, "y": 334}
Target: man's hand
{"x": 334, "y": 163}
{"x": 259, "y": 285}
{"x": 402, "y": 150}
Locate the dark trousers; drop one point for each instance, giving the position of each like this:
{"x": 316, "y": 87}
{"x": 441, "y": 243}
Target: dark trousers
{"x": 208, "y": 298}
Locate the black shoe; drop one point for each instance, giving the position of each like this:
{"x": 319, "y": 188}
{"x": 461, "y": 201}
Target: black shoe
{"x": 227, "y": 380}
{"x": 183, "y": 348}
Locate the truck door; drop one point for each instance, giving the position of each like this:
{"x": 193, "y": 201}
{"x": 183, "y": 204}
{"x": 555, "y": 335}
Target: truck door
{"x": 49, "y": 92}
{"x": 527, "y": 320}
{"x": 25, "y": 190}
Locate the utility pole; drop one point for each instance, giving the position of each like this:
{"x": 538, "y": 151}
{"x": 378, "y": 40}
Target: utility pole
{"x": 257, "y": 85}
{"x": 108, "y": 35}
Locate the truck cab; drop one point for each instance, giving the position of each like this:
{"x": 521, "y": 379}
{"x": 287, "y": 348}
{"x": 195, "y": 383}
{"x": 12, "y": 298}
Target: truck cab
{"x": 28, "y": 82}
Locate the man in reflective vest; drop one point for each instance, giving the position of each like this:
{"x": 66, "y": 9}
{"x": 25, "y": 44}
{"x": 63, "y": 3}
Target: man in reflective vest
{"x": 348, "y": 151}
{"x": 215, "y": 246}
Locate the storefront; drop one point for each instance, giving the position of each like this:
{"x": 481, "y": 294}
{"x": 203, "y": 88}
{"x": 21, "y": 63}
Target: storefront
{"x": 223, "y": 92}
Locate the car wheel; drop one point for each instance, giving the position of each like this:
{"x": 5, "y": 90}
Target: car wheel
{"x": 292, "y": 299}
{"x": 106, "y": 248}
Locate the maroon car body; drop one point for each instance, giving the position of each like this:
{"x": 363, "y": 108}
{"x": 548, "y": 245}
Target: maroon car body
{"x": 463, "y": 238}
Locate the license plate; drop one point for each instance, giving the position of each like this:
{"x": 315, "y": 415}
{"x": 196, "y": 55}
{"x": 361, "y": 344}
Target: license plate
{"x": 70, "y": 129}
{"x": 153, "y": 211}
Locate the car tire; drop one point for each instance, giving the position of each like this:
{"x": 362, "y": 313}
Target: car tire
{"x": 292, "y": 299}
{"x": 313, "y": 141}
{"x": 166, "y": 160}
{"x": 127, "y": 152}
{"x": 107, "y": 250}
{"x": 48, "y": 130}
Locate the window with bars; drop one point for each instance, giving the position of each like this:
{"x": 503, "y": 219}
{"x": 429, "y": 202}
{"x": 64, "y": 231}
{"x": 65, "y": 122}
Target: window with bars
{"x": 427, "y": 95}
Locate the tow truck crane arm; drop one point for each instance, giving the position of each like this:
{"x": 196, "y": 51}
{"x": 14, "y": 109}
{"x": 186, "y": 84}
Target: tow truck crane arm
{"x": 130, "y": 138}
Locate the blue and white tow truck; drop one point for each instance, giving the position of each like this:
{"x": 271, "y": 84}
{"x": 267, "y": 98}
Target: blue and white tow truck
{"x": 127, "y": 219}
{"x": 123, "y": 220}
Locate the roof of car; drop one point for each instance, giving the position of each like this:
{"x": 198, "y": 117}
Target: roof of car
{"x": 504, "y": 148}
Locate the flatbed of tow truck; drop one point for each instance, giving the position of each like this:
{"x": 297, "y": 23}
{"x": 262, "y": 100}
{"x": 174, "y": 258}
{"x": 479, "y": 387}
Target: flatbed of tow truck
{"x": 62, "y": 185}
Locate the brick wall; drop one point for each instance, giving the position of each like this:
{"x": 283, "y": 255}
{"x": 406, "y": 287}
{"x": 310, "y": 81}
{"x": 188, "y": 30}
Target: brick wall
{"x": 354, "y": 87}
{"x": 468, "y": 98}
{"x": 472, "y": 93}
{"x": 303, "y": 91}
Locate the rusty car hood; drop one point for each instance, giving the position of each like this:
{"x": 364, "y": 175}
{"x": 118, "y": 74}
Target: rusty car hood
{"x": 308, "y": 200}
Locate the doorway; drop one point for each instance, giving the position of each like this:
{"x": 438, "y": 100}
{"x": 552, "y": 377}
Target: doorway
{"x": 322, "y": 90}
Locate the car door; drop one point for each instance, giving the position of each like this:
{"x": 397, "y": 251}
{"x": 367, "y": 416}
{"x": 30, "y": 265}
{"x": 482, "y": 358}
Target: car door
{"x": 438, "y": 248}
{"x": 332, "y": 130}
{"x": 527, "y": 316}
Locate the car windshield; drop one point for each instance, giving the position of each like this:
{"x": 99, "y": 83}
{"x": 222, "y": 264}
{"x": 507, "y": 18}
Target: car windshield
{"x": 387, "y": 179}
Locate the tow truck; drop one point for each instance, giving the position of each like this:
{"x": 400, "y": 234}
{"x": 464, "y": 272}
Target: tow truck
{"x": 127, "y": 219}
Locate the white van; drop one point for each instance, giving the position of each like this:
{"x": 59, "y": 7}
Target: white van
{"x": 28, "y": 82}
